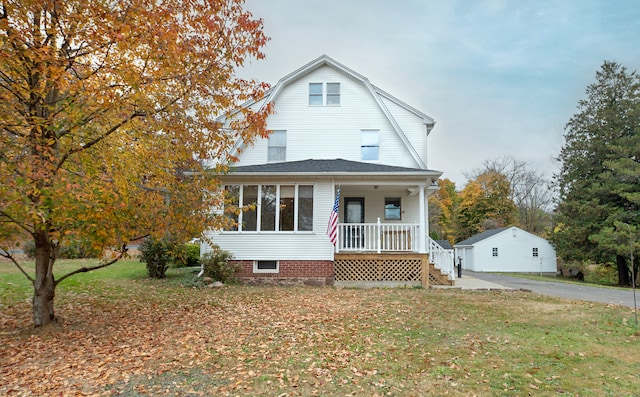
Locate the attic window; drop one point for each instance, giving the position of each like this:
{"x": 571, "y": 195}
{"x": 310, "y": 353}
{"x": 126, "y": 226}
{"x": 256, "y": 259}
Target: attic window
{"x": 333, "y": 93}
{"x": 315, "y": 94}
{"x": 320, "y": 95}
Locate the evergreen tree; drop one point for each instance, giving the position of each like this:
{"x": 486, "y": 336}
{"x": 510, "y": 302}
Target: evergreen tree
{"x": 599, "y": 177}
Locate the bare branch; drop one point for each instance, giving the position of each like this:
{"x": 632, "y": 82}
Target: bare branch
{"x": 6, "y": 254}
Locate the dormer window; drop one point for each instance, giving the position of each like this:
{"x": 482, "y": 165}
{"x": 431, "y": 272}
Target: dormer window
{"x": 324, "y": 94}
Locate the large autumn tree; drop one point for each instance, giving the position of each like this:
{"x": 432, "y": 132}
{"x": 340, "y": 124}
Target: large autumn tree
{"x": 485, "y": 203}
{"x": 599, "y": 177}
{"x": 107, "y": 111}
{"x": 443, "y": 211}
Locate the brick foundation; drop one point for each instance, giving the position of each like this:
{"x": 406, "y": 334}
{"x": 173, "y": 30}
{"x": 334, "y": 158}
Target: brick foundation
{"x": 315, "y": 273}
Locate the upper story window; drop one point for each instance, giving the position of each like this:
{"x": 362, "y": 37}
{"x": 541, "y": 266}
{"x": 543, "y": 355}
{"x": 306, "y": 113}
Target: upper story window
{"x": 277, "y": 146}
{"x": 369, "y": 144}
{"x": 535, "y": 252}
{"x": 324, "y": 94}
{"x": 494, "y": 251}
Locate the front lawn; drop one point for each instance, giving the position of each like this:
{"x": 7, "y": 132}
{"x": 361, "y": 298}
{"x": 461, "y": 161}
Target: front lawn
{"x": 124, "y": 334}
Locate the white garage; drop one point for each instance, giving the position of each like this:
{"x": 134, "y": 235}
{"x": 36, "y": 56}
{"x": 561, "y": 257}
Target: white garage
{"x": 507, "y": 249}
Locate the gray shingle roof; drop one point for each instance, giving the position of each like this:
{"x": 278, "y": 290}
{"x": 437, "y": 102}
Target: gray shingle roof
{"x": 481, "y": 236}
{"x": 444, "y": 244}
{"x": 325, "y": 166}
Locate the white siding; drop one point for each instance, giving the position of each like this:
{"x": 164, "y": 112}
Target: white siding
{"x": 412, "y": 126}
{"x": 313, "y": 245}
{"x": 330, "y": 132}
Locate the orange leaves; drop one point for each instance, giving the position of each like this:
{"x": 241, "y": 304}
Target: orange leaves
{"x": 105, "y": 103}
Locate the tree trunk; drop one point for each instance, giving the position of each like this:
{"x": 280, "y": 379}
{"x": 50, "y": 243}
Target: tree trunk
{"x": 624, "y": 276}
{"x": 44, "y": 284}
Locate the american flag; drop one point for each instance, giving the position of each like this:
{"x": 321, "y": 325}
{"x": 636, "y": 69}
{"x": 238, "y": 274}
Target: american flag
{"x": 332, "y": 229}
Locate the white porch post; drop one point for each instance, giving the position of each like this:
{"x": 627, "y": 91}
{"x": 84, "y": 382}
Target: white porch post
{"x": 423, "y": 232}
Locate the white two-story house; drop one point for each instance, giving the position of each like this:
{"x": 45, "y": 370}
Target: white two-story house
{"x": 333, "y": 134}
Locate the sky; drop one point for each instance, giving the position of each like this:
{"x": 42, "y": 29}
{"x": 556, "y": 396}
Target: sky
{"x": 500, "y": 77}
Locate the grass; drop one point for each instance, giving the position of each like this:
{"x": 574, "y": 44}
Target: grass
{"x": 124, "y": 334}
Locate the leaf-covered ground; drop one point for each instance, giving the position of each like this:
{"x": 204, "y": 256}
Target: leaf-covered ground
{"x": 147, "y": 337}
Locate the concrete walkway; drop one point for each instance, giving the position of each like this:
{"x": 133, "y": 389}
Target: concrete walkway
{"x": 467, "y": 281}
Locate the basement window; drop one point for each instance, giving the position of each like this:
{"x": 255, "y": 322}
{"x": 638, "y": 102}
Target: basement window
{"x": 266, "y": 267}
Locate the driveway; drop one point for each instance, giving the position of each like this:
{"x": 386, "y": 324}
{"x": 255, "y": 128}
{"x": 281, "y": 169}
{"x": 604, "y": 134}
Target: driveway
{"x": 613, "y": 296}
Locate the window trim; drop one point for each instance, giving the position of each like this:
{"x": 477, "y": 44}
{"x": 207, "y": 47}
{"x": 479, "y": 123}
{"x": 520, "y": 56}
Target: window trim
{"x": 256, "y": 269}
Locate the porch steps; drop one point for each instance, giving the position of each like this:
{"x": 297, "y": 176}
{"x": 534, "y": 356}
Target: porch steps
{"x": 436, "y": 277}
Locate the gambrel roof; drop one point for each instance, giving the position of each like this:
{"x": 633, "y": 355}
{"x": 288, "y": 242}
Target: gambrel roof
{"x": 376, "y": 93}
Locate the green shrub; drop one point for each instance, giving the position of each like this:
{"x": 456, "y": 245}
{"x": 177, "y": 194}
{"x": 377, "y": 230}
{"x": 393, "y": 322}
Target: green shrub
{"x": 156, "y": 254}
{"x": 217, "y": 265}
{"x": 186, "y": 255}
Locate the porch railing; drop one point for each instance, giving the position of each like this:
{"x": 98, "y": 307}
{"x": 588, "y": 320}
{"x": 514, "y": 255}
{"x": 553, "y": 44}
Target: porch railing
{"x": 441, "y": 258}
{"x": 377, "y": 237}
{"x": 385, "y": 237}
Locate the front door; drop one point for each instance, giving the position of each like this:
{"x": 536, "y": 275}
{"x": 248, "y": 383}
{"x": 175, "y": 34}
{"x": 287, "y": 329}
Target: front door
{"x": 354, "y": 213}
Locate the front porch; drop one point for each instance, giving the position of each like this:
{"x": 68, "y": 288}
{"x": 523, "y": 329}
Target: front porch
{"x": 389, "y": 255}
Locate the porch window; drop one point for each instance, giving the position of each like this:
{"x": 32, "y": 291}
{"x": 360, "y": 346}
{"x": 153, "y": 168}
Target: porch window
{"x": 268, "y": 208}
{"x": 277, "y": 146}
{"x": 369, "y": 144}
{"x": 249, "y": 217}
{"x": 265, "y": 267}
{"x": 286, "y": 208}
{"x": 535, "y": 252}
{"x": 392, "y": 210}
{"x": 494, "y": 251}
{"x": 305, "y": 208}
{"x": 232, "y": 197}
{"x": 287, "y": 203}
